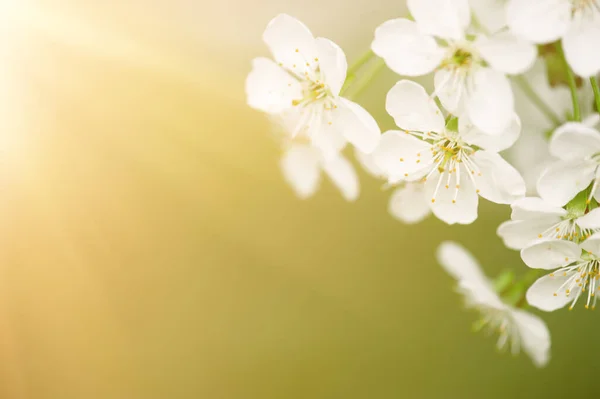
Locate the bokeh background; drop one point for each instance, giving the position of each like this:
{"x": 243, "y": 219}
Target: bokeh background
{"x": 149, "y": 247}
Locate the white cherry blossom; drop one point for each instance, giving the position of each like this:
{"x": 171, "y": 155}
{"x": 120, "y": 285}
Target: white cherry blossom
{"x": 518, "y": 329}
{"x": 576, "y": 22}
{"x": 576, "y": 275}
{"x": 304, "y": 83}
{"x": 454, "y": 167}
{"x": 577, "y": 146}
{"x": 534, "y": 219}
{"x": 303, "y": 167}
{"x": 470, "y": 70}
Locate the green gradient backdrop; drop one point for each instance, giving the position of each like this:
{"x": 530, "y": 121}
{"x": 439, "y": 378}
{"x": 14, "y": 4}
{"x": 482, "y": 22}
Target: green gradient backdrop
{"x": 150, "y": 248}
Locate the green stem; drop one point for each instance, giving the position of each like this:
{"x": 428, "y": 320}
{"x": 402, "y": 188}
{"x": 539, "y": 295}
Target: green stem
{"x": 364, "y": 80}
{"x": 537, "y": 100}
{"x": 366, "y": 57}
{"x": 571, "y": 81}
{"x": 596, "y": 92}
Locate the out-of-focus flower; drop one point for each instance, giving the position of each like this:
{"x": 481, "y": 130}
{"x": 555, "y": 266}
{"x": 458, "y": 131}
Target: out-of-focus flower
{"x": 577, "y": 146}
{"x": 576, "y": 275}
{"x": 518, "y": 329}
{"x": 455, "y": 166}
{"x": 533, "y": 219}
{"x": 471, "y": 70}
{"x": 303, "y": 166}
{"x": 303, "y": 85}
{"x": 576, "y": 22}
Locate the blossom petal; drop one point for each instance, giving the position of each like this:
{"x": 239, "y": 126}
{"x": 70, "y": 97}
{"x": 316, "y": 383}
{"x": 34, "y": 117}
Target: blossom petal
{"x": 398, "y": 152}
{"x": 325, "y": 137}
{"x": 546, "y": 293}
{"x": 535, "y": 208}
{"x": 562, "y": 180}
{"x": 408, "y": 203}
{"x": 451, "y": 201}
{"x": 405, "y": 49}
{"x": 269, "y": 88}
{"x": 590, "y": 221}
{"x": 497, "y": 180}
{"x": 592, "y": 244}
{"x": 332, "y": 64}
{"x": 506, "y": 53}
{"x": 541, "y": 21}
{"x": 450, "y": 88}
{"x": 584, "y": 61}
{"x": 292, "y": 44}
{"x": 550, "y": 254}
{"x": 343, "y": 175}
{"x": 491, "y": 113}
{"x": 490, "y": 13}
{"x": 412, "y": 109}
{"x": 518, "y": 234}
{"x": 301, "y": 169}
{"x": 447, "y": 19}
{"x": 459, "y": 263}
{"x": 368, "y": 164}
{"x": 534, "y": 335}
{"x": 574, "y": 140}
{"x": 357, "y": 125}
{"x": 496, "y": 143}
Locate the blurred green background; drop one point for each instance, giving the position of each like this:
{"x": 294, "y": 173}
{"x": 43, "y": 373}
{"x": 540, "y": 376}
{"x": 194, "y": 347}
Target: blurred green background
{"x": 151, "y": 249}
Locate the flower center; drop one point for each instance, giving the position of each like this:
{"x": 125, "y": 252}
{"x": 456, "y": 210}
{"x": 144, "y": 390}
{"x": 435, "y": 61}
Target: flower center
{"x": 579, "y": 7}
{"x": 460, "y": 56}
{"x": 581, "y": 276}
{"x": 314, "y": 91}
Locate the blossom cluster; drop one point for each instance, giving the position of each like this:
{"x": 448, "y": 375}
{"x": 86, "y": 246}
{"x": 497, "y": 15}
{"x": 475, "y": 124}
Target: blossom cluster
{"x": 511, "y": 118}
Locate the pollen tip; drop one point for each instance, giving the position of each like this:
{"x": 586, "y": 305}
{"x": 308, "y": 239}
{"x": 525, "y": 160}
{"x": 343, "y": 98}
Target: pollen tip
{"x": 297, "y": 50}
{"x": 454, "y": 201}
{"x": 555, "y": 294}
{"x": 432, "y": 200}
{"x": 540, "y": 236}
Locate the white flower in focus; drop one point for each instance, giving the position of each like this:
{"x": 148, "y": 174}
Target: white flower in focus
{"x": 576, "y": 22}
{"x": 470, "y": 71}
{"x": 303, "y": 165}
{"x": 454, "y": 167}
{"x": 576, "y": 276}
{"x": 533, "y": 219}
{"x": 577, "y": 145}
{"x": 408, "y": 203}
{"x": 303, "y": 84}
{"x": 518, "y": 329}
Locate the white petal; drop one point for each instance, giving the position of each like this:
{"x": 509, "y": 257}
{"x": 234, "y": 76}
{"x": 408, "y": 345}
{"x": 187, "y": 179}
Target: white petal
{"x": 408, "y": 203}
{"x": 398, "y": 152}
{"x": 301, "y": 169}
{"x": 541, "y": 294}
{"x": 506, "y": 53}
{"x": 368, "y": 164}
{"x": 491, "y": 104}
{"x": 534, "y": 208}
{"x": 405, "y": 49}
{"x": 480, "y": 294}
{"x": 490, "y": 13}
{"x": 269, "y": 88}
{"x": 541, "y": 21}
{"x": 357, "y": 125}
{"x": 581, "y": 57}
{"x": 574, "y": 140}
{"x": 562, "y": 180}
{"x": 291, "y": 43}
{"x": 343, "y": 175}
{"x": 327, "y": 138}
{"x": 447, "y": 19}
{"x": 496, "y": 143}
{"x": 450, "y": 87}
{"x": 518, "y": 234}
{"x": 550, "y": 254}
{"x": 590, "y": 220}
{"x": 332, "y": 64}
{"x": 452, "y": 205}
{"x": 592, "y": 244}
{"x": 412, "y": 109}
{"x": 459, "y": 262}
{"x": 498, "y": 182}
{"x": 534, "y": 335}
